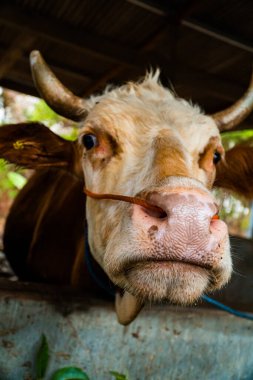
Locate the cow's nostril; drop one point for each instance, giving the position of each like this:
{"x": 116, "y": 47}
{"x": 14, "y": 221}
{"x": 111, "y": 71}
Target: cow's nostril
{"x": 155, "y": 213}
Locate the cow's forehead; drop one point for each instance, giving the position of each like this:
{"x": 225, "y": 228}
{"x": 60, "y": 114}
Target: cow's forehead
{"x": 147, "y": 110}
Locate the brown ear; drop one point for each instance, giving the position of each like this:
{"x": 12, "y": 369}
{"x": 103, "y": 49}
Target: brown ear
{"x": 33, "y": 145}
{"x": 236, "y": 172}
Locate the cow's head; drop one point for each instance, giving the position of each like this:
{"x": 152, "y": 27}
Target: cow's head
{"x": 142, "y": 140}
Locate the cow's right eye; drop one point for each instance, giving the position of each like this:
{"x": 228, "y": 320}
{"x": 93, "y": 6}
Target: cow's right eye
{"x": 89, "y": 141}
{"x": 216, "y": 157}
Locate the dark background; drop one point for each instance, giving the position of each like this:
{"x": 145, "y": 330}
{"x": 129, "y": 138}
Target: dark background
{"x": 204, "y": 48}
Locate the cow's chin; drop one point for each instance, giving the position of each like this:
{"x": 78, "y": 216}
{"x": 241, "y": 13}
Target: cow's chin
{"x": 175, "y": 282}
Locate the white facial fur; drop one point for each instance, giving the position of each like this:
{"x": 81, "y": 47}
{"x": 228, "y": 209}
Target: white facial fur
{"x": 146, "y": 135}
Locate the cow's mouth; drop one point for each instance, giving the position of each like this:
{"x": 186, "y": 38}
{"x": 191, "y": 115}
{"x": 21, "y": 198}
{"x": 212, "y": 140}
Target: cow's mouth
{"x": 160, "y": 263}
{"x": 175, "y": 281}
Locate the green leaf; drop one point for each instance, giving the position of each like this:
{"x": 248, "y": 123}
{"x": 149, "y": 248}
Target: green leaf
{"x": 118, "y": 376}
{"x": 71, "y": 136}
{"x": 69, "y": 373}
{"x": 229, "y": 139}
{"x": 42, "y": 358}
{"x": 18, "y": 180}
{"x": 41, "y": 111}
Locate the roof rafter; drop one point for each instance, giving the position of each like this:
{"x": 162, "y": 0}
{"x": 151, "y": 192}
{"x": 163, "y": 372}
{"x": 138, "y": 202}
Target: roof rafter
{"x": 59, "y": 32}
{"x": 10, "y": 56}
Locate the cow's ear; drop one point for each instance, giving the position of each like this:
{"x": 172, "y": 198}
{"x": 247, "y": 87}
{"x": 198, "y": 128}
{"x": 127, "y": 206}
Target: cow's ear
{"x": 33, "y": 145}
{"x": 236, "y": 172}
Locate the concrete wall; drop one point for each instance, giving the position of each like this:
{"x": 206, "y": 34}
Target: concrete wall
{"x": 164, "y": 343}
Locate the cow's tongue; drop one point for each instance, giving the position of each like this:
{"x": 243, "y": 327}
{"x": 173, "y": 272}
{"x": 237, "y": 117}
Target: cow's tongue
{"x": 127, "y": 307}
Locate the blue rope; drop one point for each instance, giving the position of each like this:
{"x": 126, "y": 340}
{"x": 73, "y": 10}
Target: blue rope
{"x": 108, "y": 289}
{"x": 228, "y": 309}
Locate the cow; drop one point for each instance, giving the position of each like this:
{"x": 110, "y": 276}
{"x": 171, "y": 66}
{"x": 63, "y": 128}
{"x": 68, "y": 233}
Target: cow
{"x": 134, "y": 193}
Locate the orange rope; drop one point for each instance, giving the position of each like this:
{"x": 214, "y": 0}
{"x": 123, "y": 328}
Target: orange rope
{"x": 124, "y": 198}
{"x": 134, "y": 200}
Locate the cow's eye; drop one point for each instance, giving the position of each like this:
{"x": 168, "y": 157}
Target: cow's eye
{"x": 89, "y": 141}
{"x": 216, "y": 157}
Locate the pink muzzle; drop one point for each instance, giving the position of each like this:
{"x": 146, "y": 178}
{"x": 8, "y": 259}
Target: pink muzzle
{"x": 188, "y": 230}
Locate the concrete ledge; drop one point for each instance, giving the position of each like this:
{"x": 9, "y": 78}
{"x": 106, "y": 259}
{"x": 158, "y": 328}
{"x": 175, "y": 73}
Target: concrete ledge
{"x": 164, "y": 343}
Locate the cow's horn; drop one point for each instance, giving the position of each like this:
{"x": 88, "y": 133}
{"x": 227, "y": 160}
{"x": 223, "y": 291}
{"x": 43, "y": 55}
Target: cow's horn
{"x": 57, "y": 96}
{"x": 236, "y": 113}
{"x": 127, "y": 307}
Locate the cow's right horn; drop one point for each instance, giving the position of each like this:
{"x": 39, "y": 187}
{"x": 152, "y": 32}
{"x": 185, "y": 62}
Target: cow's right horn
{"x": 235, "y": 114}
{"x": 55, "y": 94}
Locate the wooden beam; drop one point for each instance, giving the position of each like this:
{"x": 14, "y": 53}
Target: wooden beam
{"x": 221, "y": 35}
{"x": 83, "y": 41}
{"x": 22, "y": 61}
{"x": 183, "y": 78}
{"x": 116, "y": 70}
{"x": 149, "y": 7}
{"x": 186, "y": 77}
{"x": 105, "y": 78}
{"x": 16, "y": 50}
{"x": 61, "y": 69}
{"x": 195, "y": 24}
{"x": 33, "y": 24}
{"x": 19, "y": 87}
{"x": 179, "y": 73}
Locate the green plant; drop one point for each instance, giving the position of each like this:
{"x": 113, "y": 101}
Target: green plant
{"x": 11, "y": 179}
{"x": 69, "y": 373}
{"x": 229, "y": 139}
{"x": 65, "y": 373}
{"x": 43, "y": 113}
{"x": 118, "y": 376}
{"x": 42, "y": 359}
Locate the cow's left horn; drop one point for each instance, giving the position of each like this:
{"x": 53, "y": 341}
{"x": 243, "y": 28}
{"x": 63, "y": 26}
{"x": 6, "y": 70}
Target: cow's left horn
{"x": 55, "y": 94}
{"x": 236, "y": 113}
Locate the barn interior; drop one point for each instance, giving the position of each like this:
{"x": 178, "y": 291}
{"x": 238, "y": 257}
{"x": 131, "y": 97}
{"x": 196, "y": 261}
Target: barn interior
{"x": 204, "y": 50}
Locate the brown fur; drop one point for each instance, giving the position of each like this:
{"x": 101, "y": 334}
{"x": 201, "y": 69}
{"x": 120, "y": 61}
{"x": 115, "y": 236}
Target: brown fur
{"x": 206, "y": 159}
{"x": 37, "y": 237}
{"x": 34, "y": 146}
{"x": 44, "y": 227}
{"x": 170, "y": 158}
{"x": 236, "y": 172}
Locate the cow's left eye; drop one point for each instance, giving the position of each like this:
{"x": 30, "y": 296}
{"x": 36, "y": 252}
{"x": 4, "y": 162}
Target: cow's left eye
{"x": 89, "y": 141}
{"x": 216, "y": 157}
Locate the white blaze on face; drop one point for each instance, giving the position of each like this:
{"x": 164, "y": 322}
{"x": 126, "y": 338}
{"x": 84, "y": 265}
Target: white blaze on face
{"x": 150, "y": 142}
